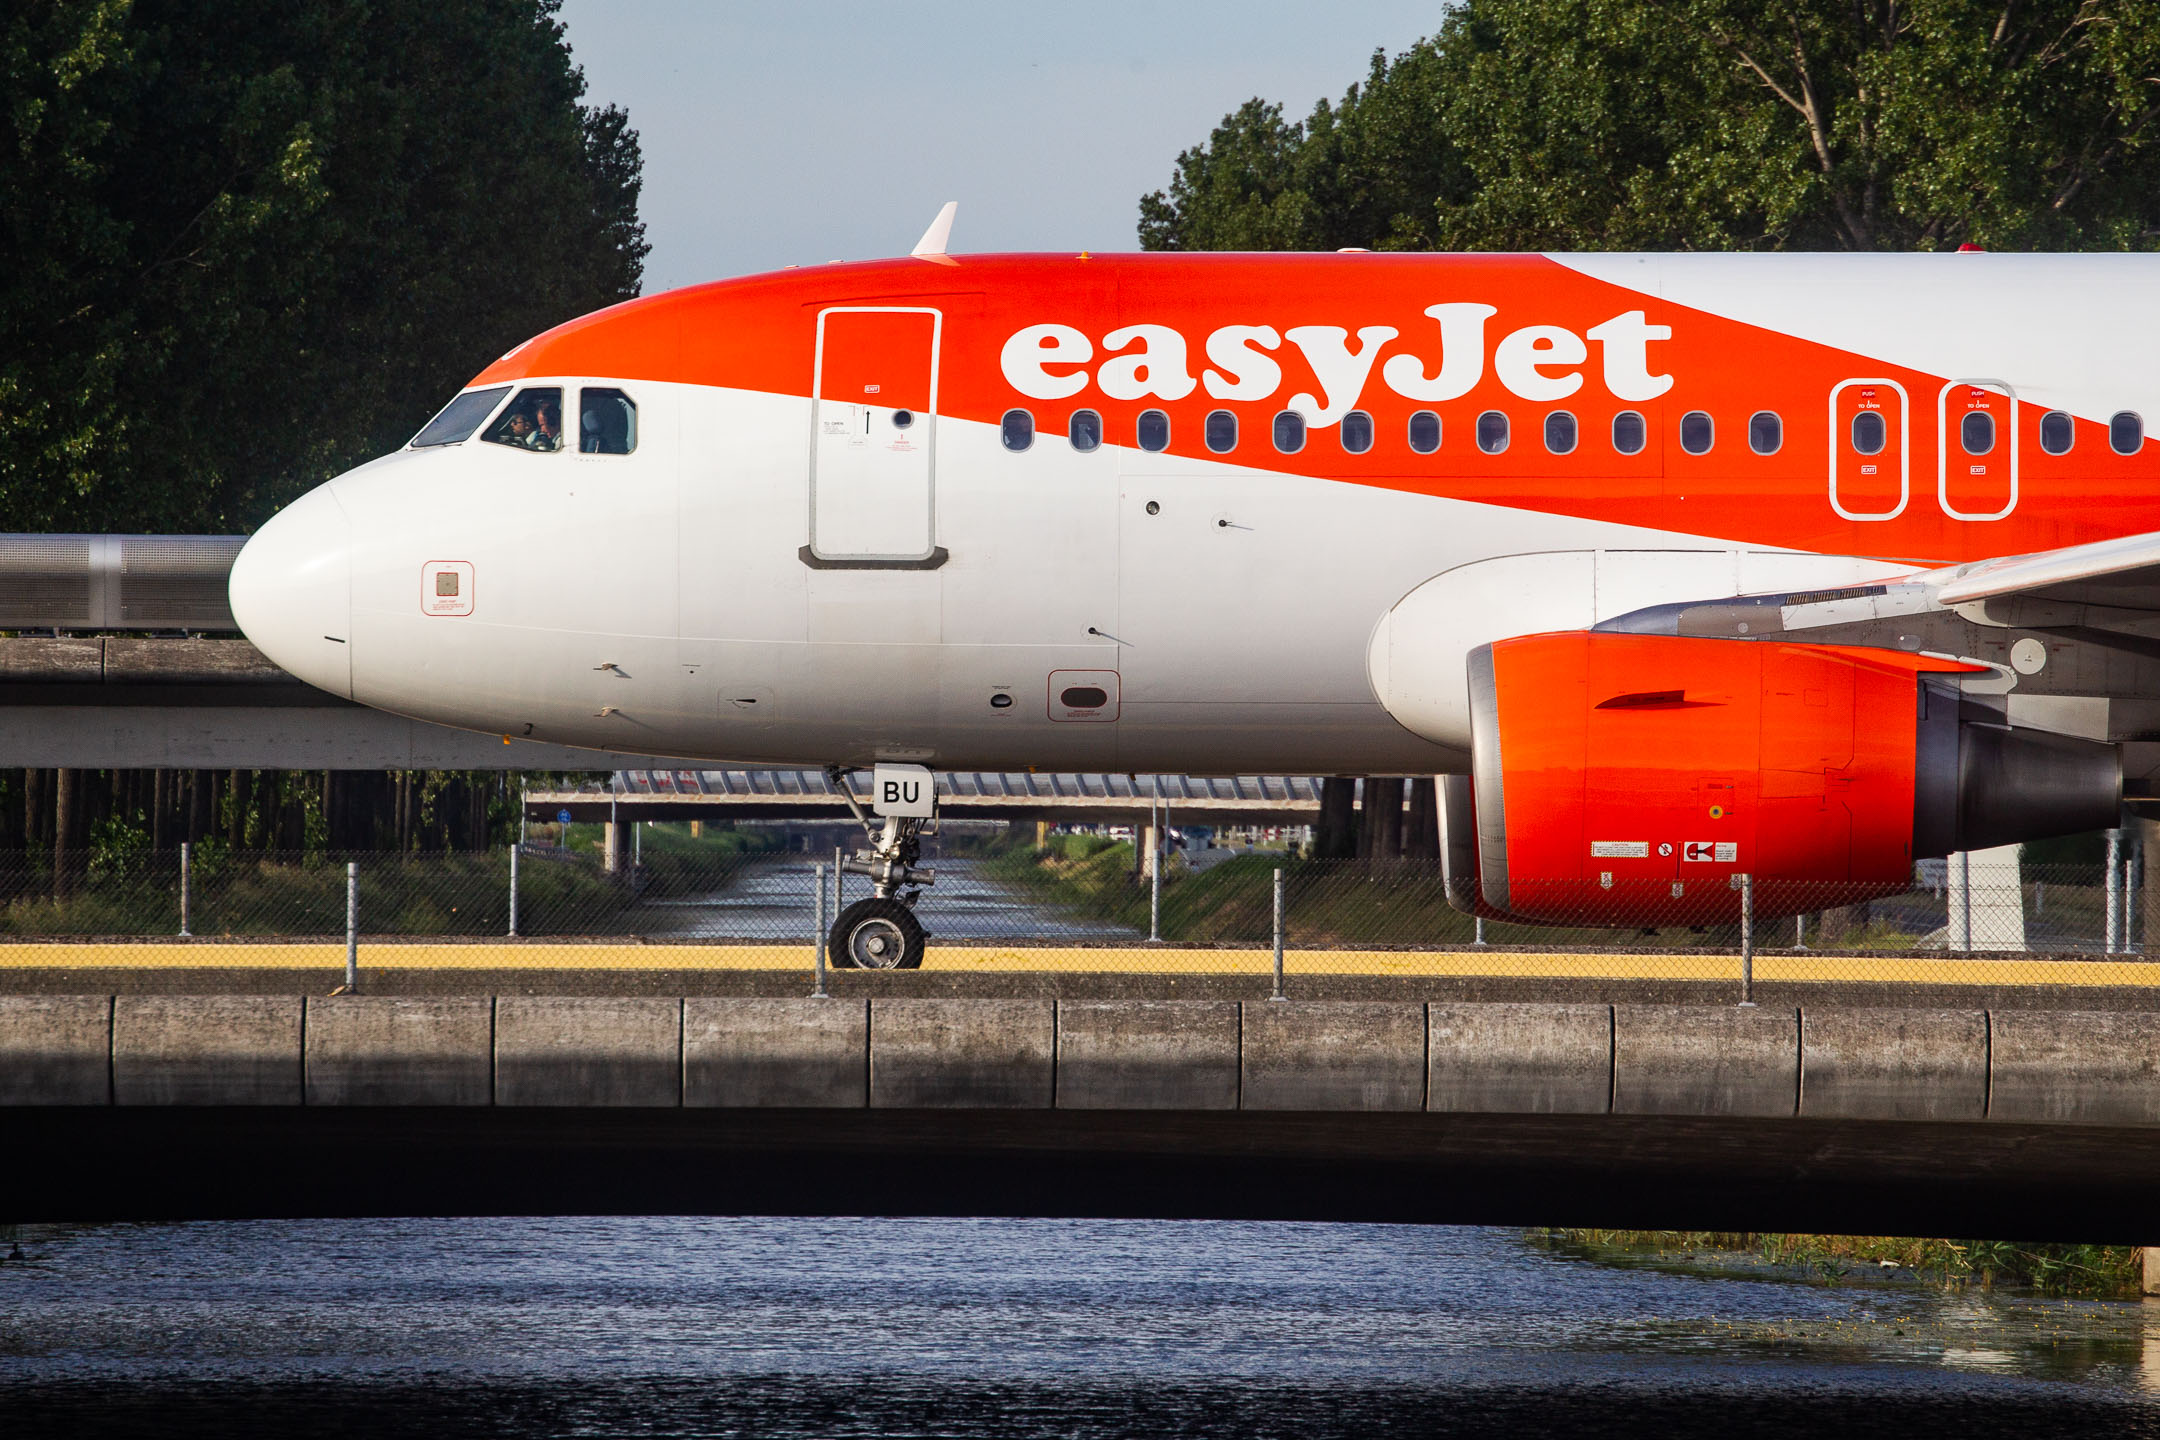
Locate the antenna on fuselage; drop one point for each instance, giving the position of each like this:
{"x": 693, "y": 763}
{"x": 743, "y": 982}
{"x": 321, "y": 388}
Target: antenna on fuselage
{"x": 932, "y": 244}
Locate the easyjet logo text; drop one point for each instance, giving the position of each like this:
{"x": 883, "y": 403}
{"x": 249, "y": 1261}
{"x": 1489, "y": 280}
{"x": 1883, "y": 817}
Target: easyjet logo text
{"x": 1536, "y": 362}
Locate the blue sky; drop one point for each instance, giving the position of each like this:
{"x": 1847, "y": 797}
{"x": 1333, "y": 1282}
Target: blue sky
{"x": 794, "y": 133}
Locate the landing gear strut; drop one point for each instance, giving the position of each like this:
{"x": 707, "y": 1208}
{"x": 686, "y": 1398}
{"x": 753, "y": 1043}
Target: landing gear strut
{"x": 882, "y": 933}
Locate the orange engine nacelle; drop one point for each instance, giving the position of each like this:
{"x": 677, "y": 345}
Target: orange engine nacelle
{"x": 1627, "y": 779}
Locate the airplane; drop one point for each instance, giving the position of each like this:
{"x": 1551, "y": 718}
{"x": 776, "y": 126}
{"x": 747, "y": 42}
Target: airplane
{"x": 1674, "y": 568}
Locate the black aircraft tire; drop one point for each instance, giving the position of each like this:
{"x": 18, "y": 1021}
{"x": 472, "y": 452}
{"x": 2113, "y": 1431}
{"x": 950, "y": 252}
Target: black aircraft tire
{"x": 876, "y": 934}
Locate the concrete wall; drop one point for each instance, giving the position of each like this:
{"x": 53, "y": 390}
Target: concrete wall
{"x": 1705, "y": 1060}
{"x": 379, "y": 1050}
{"x": 801, "y": 1054}
{"x": 2030, "y": 1066}
{"x": 587, "y": 1050}
{"x": 1333, "y": 1055}
{"x": 963, "y": 1054}
{"x": 2075, "y": 1067}
{"x": 55, "y": 1050}
{"x": 1147, "y": 1055}
{"x": 1522, "y": 1059}
{"x": 206, "y": 1050}
{"x": 1894, "y": 1064}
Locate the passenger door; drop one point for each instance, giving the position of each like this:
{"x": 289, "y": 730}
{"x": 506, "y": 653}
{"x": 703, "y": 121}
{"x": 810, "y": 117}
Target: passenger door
{"x": 873, "y": 461}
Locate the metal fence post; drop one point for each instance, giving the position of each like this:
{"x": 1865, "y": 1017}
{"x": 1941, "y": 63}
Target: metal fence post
{"x": 352, "y": 927}
{"x": 2113, "y": 939}
{"x": 1747, "y": 939}
{"x": 1278, "y": 995}
{"x": 1799, "y": 932}
{"x": 1477, "y": 931}
{"x": 818, "y": 947}
{"x": 513, "y": 889}
{"x": 837, "y": 852}
{"x": 1154, "y": 901}
{"x": 186, "y": 884}
{"x": 2130, "y": 916}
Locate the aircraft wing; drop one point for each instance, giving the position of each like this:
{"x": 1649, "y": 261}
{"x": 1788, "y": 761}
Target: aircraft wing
{"x": 2108, "y": 571}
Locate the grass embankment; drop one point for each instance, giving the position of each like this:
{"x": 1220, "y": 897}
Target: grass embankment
{"x": 2108, "y": 1272}
{"x": 451, "y": 894}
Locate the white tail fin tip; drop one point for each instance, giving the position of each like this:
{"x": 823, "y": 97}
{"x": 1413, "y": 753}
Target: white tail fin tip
{"x": 933, "y": 239}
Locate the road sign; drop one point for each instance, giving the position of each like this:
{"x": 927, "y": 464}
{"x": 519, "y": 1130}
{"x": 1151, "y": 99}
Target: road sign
{"x": 562, "y": 817}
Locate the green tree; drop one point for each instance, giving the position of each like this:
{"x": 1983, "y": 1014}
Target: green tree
{"x": 250, "y": 243}
{"x": 1708, "y": 124}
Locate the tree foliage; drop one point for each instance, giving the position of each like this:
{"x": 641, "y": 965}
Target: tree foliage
{"x": 1711, "y": 125}
{"x": 249, "y": 243}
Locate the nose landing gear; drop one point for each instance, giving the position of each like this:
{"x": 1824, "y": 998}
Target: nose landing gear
{"x": 882, "y": 933}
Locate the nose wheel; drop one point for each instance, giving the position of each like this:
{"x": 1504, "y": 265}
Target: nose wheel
{"x": 877, "y": 934}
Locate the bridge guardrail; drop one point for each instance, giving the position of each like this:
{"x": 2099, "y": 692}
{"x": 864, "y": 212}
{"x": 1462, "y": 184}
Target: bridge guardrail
{"x": 1076, "y": 906}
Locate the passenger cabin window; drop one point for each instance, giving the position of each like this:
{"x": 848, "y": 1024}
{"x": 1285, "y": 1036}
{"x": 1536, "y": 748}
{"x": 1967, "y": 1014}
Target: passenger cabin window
{"x": 533, "y": 421}
{"x": 1017, "y": 430}
{"x": 2057, "y": 432}
{"x": 1976, "y": 432}
{"x": 1629, "y": 432}
{"x": 1492, "y": 432}
{"x": 1154, "y": 431}
{"x": 1084, "y": 430}
{"x": 1765, "y": 432}
{"x": 457, "y": 420}
{"x": 1220, "y": 431}
{"x": 607, "y": 422}
{"x": 1424, "y": 432}
{"x": 1289, "y": 432}
{"x": 1357, "y": 432}
{"x": 1869, "y": 433}
{"x": 1697, "y": 434}
{"x": 1560, "y": 432}
{"x": 2126, "y": 432}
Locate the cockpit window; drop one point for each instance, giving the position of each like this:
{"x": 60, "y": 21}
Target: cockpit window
{"x": 533, "y": 421}
{"x": 607, "y": 423}
{"x": 457, "y": 420}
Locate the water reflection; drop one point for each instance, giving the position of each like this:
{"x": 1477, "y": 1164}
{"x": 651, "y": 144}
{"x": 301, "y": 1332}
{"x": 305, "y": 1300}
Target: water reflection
{"x": 827, "y": 1327}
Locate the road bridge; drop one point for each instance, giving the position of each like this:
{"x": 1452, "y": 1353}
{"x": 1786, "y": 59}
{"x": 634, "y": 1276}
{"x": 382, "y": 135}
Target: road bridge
{"x": 2016, "y": 1123}
{"x": 693, "y": 794}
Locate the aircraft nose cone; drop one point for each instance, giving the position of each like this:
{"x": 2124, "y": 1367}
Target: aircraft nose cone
{"x": 291, "y": 591}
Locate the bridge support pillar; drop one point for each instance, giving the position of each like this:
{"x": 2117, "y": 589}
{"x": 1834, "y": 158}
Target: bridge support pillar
{"x": 2149, "y": 1270}
{"x": 613, "y": 840}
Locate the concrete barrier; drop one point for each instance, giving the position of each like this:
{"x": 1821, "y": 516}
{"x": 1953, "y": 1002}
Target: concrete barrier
{"x": 206, "y": 1050}
{"x": 803, "y": 1053}
{"x": 1147, "y": 1055}
{"x": 1705, "y": 1060}
{"x": 383, "y": 1050}
{"x": 1333, "y": 1055}
{"x": 1894, "y": 1064}
{"x": 1521, "y": 1059}
{"x": 588, "y": 1050}
{"x": 2074, "y": 1067}
{"x": 962, "y": 1054}
{"x": 55, "y": 1049}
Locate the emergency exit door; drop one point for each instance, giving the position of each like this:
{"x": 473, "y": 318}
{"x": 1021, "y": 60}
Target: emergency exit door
{"x": 1976, "y": 442}
{"x": 1870, "y": 450}
{"x": 873, "y": 458}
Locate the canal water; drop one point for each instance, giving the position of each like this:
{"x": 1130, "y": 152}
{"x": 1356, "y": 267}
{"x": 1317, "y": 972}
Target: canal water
{"x": 1009, "y": 1328}
{"x": 778, "y": 900}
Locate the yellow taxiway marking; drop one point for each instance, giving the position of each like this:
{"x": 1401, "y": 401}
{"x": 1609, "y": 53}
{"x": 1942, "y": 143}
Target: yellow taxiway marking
{"x": 1138, "y": 960}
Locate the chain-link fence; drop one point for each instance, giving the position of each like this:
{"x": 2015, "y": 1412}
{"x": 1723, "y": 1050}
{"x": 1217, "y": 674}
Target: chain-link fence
{"x": 1080, "y": 903}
